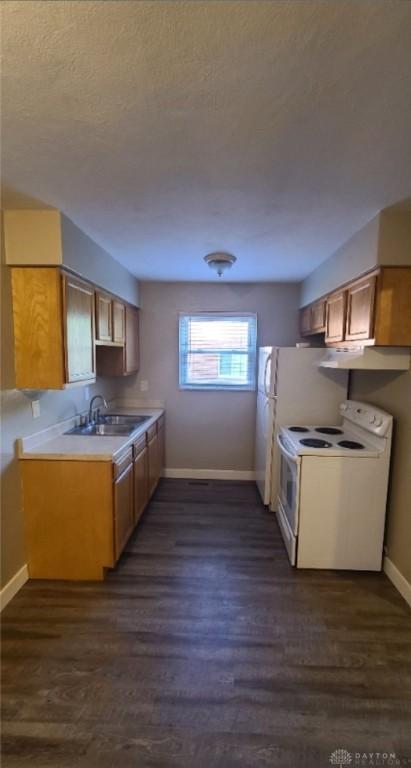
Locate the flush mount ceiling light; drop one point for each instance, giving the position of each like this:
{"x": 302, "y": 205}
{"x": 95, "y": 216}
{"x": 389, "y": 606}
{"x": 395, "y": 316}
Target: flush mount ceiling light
{"x": 220, "y": 262}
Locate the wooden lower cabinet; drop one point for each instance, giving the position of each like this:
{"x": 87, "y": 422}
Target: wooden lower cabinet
{"x": 140, "y": 482}
{"x": 123, "y": 508}
{"x": 80, "y": 514}
{"x": 153, "y": 464}
{"x": 68, "y": 516}
{"x": 161, "y": 445}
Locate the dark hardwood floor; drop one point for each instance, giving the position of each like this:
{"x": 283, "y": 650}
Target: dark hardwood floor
{"x": 205, "y": 649}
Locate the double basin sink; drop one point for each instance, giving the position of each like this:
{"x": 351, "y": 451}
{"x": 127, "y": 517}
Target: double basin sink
{"x": 111, "y": 425}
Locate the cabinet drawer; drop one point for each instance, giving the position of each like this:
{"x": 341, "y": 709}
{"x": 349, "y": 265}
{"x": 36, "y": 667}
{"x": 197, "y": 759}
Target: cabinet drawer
{"x": 160, "y": 423}
{"x": 122, "y": 462}
{"x": 151, "y": 432}
{"x": 139, "y": 445}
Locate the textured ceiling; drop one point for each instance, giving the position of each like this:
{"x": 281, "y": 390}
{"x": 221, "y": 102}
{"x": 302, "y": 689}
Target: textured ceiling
{"x": 165, "y": 130}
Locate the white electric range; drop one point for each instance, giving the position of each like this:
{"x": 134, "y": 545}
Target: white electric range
{"x": 333, "y": 490}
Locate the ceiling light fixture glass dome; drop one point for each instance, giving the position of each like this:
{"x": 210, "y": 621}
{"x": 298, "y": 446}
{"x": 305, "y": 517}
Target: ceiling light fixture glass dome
{"x": 220, "y": 261}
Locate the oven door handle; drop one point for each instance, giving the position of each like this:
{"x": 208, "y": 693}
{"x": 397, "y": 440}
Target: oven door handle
{"x": 283, "y": 450}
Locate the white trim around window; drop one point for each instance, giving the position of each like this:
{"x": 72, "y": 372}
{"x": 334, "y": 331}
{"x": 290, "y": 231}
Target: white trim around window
{"x": 217, "y": 350}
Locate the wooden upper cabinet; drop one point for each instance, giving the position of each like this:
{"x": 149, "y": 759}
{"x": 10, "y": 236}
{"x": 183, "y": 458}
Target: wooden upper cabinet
{"x": 119, "y": 321}
{"x": 79, "y": 329}
{"x": 393, "y": 307}
{"x": 132, "y": 350}
{"x": 312, "y": 318}
{"x": 38, "y": 328}
{"x": 305, "y": 321}
{"x": 123, "y": 509}
{"x": 318, "y": 311}
{"x": 104, "y": 317}
{"x": 360, "y": 309}
{"x": 335, "y": 317}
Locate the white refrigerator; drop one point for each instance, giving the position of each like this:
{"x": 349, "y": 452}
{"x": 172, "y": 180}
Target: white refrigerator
{"x": 291, "y": 389}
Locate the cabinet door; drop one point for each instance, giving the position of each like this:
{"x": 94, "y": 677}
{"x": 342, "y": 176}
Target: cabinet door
{"x": 318, "y": 316}
{"x": 305, "y": 321}
{"x": 123, "y": 509}
{"x": 161, "y": 447}
{"x": 79, "y": 330}
{"x": 140, "y": 484}
{"x": 132, "y": 352}
{"x": 335, "y": 317}
{"x": 119, "y": 321}
{"x": 360, "y": 309}
{"x": 152, "y": 464}
{"x": 104, "y": 317}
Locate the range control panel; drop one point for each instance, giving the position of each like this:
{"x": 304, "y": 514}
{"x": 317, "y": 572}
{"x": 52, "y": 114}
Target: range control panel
{"x": 366, "y": 416}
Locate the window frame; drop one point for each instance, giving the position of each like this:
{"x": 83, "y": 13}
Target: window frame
{"x": 251, "y": 352}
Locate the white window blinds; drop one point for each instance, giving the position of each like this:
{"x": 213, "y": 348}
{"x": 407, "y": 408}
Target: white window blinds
{"x": 217, "y": 351}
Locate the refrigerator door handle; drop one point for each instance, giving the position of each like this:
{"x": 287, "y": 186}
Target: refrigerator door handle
{"x": 266, "y": 392}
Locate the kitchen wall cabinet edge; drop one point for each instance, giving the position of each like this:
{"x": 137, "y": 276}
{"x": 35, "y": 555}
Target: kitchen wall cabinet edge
{"x": 374, "y": 309}
{"x": 121, "y": 359}
{"x": 54, "y": 321}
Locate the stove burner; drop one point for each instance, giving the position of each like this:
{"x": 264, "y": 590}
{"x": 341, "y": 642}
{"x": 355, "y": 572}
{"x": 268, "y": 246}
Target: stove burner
{"x": 314, "y": 442}
{"x": 299, "y": 429}
{"x": 350, "y": 444}
{"x": 329, "y": 430}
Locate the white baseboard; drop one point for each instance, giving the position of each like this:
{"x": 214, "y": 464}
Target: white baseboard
{"x": 13, "y": 586}
{"x": 399, "y": 581}
{"x": 210, "y": 474}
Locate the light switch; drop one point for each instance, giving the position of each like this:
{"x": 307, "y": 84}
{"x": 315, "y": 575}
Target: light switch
{"x": 144, "y": 385}
{"x": 35, "y": 407}
{"x": 87, "y": 393}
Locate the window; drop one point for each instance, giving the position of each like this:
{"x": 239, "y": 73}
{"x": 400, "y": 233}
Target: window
{"x": 217, "y": 351}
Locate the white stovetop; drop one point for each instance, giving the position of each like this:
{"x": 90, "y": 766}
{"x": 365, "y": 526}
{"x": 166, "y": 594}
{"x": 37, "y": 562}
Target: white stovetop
{"x": 53, "y": 444}
{"x": 292, "y": 443}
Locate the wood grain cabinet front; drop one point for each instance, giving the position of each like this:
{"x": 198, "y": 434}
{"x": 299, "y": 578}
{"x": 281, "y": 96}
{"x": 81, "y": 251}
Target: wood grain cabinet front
{"x": 335, "y": 317}
{"x": 82, "y": 532}
{"x": 79, "y": 330}
{"x": 123, "y": 509}
{"x": 140, "y": 482}
{"x": 153, "y": 464}
{"x": 119, "y": 321}
{"x": 53, "y": 320}
{"x": 360, "y": 309}
{"x": 104, "y": 317}
{"x": 318, "y": 313}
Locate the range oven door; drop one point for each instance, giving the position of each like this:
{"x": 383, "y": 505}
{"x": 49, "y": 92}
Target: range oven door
{"x": 289, "y": 491}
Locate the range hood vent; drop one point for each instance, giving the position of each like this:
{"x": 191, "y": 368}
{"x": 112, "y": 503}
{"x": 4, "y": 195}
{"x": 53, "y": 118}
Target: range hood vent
{"x": 367, "y": 358}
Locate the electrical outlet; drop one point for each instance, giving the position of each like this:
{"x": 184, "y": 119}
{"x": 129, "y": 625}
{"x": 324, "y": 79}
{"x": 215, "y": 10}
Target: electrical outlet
{"x": 144, "y": 385}
{"x": 35, "y": 407}
{"x": 87, "y": 393}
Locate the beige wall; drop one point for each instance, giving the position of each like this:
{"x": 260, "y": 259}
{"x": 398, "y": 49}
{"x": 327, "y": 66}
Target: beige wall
{"x": 17, "y": 420}
{"x": 207, "y": 430}
{"x": 392, "y": 392}
{"x": 90, "y": 260}
{"x": 356, "y": 256}
{"x": 384, "y": 241}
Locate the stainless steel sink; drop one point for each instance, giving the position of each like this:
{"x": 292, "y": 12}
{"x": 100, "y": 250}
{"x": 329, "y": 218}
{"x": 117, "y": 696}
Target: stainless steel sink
{"x": 115, "y": 418}
{"x": 106, "y": 426}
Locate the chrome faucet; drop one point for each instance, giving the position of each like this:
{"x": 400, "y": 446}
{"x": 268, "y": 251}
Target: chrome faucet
{"x": 90, "y": 411}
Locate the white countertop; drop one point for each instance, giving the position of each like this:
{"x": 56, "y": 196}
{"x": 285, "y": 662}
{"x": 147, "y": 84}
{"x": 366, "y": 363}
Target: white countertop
{"x": 49, "y": 445}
